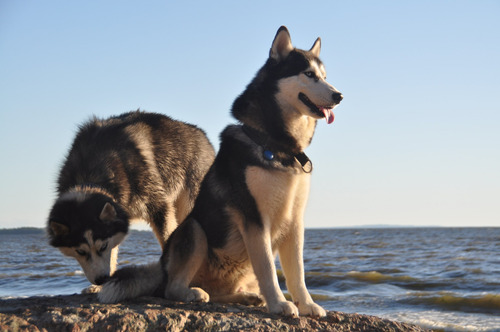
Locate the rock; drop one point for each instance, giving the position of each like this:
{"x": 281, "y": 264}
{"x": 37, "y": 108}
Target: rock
{"x": 84, "y": 313}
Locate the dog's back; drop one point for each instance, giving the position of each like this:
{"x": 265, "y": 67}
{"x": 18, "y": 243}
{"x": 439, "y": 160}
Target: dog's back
{"x": 146, "y": 161}
{"x": 136, "y": 166}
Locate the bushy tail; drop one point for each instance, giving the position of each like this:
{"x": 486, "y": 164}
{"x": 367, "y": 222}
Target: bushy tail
{"x": 131, "y": 282}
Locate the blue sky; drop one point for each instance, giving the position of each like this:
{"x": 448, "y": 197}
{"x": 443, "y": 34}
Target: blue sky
{"x": 416, "y": 140}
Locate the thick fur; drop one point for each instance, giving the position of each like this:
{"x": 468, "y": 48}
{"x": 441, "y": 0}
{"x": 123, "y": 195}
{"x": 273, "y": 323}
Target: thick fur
{"x": 251, "y": 203}
{"x": 136, "y": 166}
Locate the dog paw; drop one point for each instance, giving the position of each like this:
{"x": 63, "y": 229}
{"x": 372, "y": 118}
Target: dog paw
{"x": 185, "y": 294}
{"x": 285, "y": 308}
{"x": 251, "y": 299}
{"x": 311, "y": 309}
{"x": 196, "y": 294}
{"x": 92, "y": 289}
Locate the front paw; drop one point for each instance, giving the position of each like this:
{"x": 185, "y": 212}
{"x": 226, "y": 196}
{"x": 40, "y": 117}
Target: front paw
{"x": 246, "y": 298}
{"x": 196, "y": 294}
{"x": 254, "y": 299}
{"x": 193, "y": 294}
{"x": 285, "y": 308}
{"x": 92, "y": 289}
{"x": 311, "y": 309}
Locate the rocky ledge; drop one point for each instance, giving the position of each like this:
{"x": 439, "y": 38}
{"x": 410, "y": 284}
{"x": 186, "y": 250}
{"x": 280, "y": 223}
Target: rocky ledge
{"x": 85, "y": 313}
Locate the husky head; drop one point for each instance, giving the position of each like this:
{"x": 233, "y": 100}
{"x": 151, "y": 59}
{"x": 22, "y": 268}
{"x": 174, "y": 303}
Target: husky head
{"x": 291, "y": 85}
{"x": 88, "y": 227}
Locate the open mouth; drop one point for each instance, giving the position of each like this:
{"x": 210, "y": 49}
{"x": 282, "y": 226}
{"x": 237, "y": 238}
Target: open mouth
{"x": 326, "y": 112}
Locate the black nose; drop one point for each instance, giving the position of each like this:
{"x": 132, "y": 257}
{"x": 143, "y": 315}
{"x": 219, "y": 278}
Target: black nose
{"x": 337, "y": 97}
{"x": 101, "y": 280}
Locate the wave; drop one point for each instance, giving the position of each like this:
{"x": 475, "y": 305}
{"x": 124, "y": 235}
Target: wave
{"x": 34, "y": 276}
{"x": 484, "y": 303}
{"x": 347, "y": 280}
{"x": 446, "y": 320}
{"x": 377, "y": 277}
{"x": 320, "y": 279}
{"x": 74, "y": 273}
{"x": 405, "y": 281}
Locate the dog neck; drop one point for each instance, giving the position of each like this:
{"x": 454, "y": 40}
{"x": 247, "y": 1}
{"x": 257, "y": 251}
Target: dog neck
{"x": 274, "y": 150}
{"x": 299, "y": 127}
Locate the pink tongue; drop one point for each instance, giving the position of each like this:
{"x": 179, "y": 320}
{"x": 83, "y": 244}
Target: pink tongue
{"x": 329, "y": 117}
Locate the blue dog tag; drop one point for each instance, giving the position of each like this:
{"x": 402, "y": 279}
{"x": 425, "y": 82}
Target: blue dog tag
{"x": 268, "y": 155}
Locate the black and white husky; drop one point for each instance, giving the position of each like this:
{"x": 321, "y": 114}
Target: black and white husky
{"x": 251, "y": 203}
{"x": 136, "y": 166}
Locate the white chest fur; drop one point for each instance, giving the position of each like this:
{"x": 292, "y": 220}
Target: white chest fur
{"x": 280, "y": 196}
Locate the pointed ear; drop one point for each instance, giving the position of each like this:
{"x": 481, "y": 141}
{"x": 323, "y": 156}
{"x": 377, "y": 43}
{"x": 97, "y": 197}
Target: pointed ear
{"x": 59, "y": 229}
{"x": 316, "y": 48}
{"x": 108, "y": 213}
{"x": 282, "y": 44}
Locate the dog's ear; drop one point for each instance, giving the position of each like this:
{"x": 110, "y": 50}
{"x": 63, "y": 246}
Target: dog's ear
{"x": 108, "y": 213}
{"x": 316, "y": 48}
{"x": 59, "y": 229}
{"x": 282, "y": 44}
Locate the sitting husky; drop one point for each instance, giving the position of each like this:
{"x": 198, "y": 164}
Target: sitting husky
{"x": 252, "y": 201}
{"x": 136, "y": 166}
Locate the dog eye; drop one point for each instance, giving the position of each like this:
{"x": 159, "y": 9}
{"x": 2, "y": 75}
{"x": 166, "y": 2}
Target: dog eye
{"x": 312, "y": 75}
{"x": 103, "y": 247}
{"x": 81, "y": 252}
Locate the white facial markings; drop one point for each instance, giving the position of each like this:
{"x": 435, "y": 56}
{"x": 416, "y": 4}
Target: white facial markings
{"x": 299, "y": 120}
{"x": 288, "y": 89}
{"x": 320, "y": 91}
{"x": 318, "y": 69}
{"x": 299, "y": 117}
{"x": 322, "y": 70}
{"x": 96, "y": 257}
{"x": 89, "y": 238}
{"x": 89, "y": 264}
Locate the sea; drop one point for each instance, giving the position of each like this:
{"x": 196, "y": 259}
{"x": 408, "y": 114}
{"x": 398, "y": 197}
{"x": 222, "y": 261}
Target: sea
{"x": 439, "y": 278}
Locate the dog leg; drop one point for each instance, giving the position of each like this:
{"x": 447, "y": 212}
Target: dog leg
{"x": 258, "y": 244}
{"x": 292, "y": 262}
{"x": 164, "y": 223}
{"x": 113, "y": 261}
{"x": 186, "y": 252}
{"x": 183, "y": 205}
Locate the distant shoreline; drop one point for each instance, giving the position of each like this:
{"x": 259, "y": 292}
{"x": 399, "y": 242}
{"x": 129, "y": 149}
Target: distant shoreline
{"x": 30, "y": 230}
{"x": 22, "y": 230}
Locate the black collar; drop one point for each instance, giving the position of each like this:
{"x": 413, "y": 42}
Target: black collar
{"x": 276, "y": 151}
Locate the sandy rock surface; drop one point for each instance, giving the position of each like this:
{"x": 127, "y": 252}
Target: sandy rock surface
{"x": 85, "y": 313}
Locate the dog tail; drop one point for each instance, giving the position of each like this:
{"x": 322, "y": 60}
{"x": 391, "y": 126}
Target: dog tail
{"x": 133, "y": 281}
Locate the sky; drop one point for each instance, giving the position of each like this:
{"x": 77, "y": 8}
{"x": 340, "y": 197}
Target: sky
{"x": 415, "y": 142}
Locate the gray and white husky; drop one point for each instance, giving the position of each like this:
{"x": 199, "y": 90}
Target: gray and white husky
{"x": 251, "y": 203}
{"x": 136, "y": 166}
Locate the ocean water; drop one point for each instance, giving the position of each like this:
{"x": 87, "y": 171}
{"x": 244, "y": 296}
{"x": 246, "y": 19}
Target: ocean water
{"x": 440, "y": 278}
